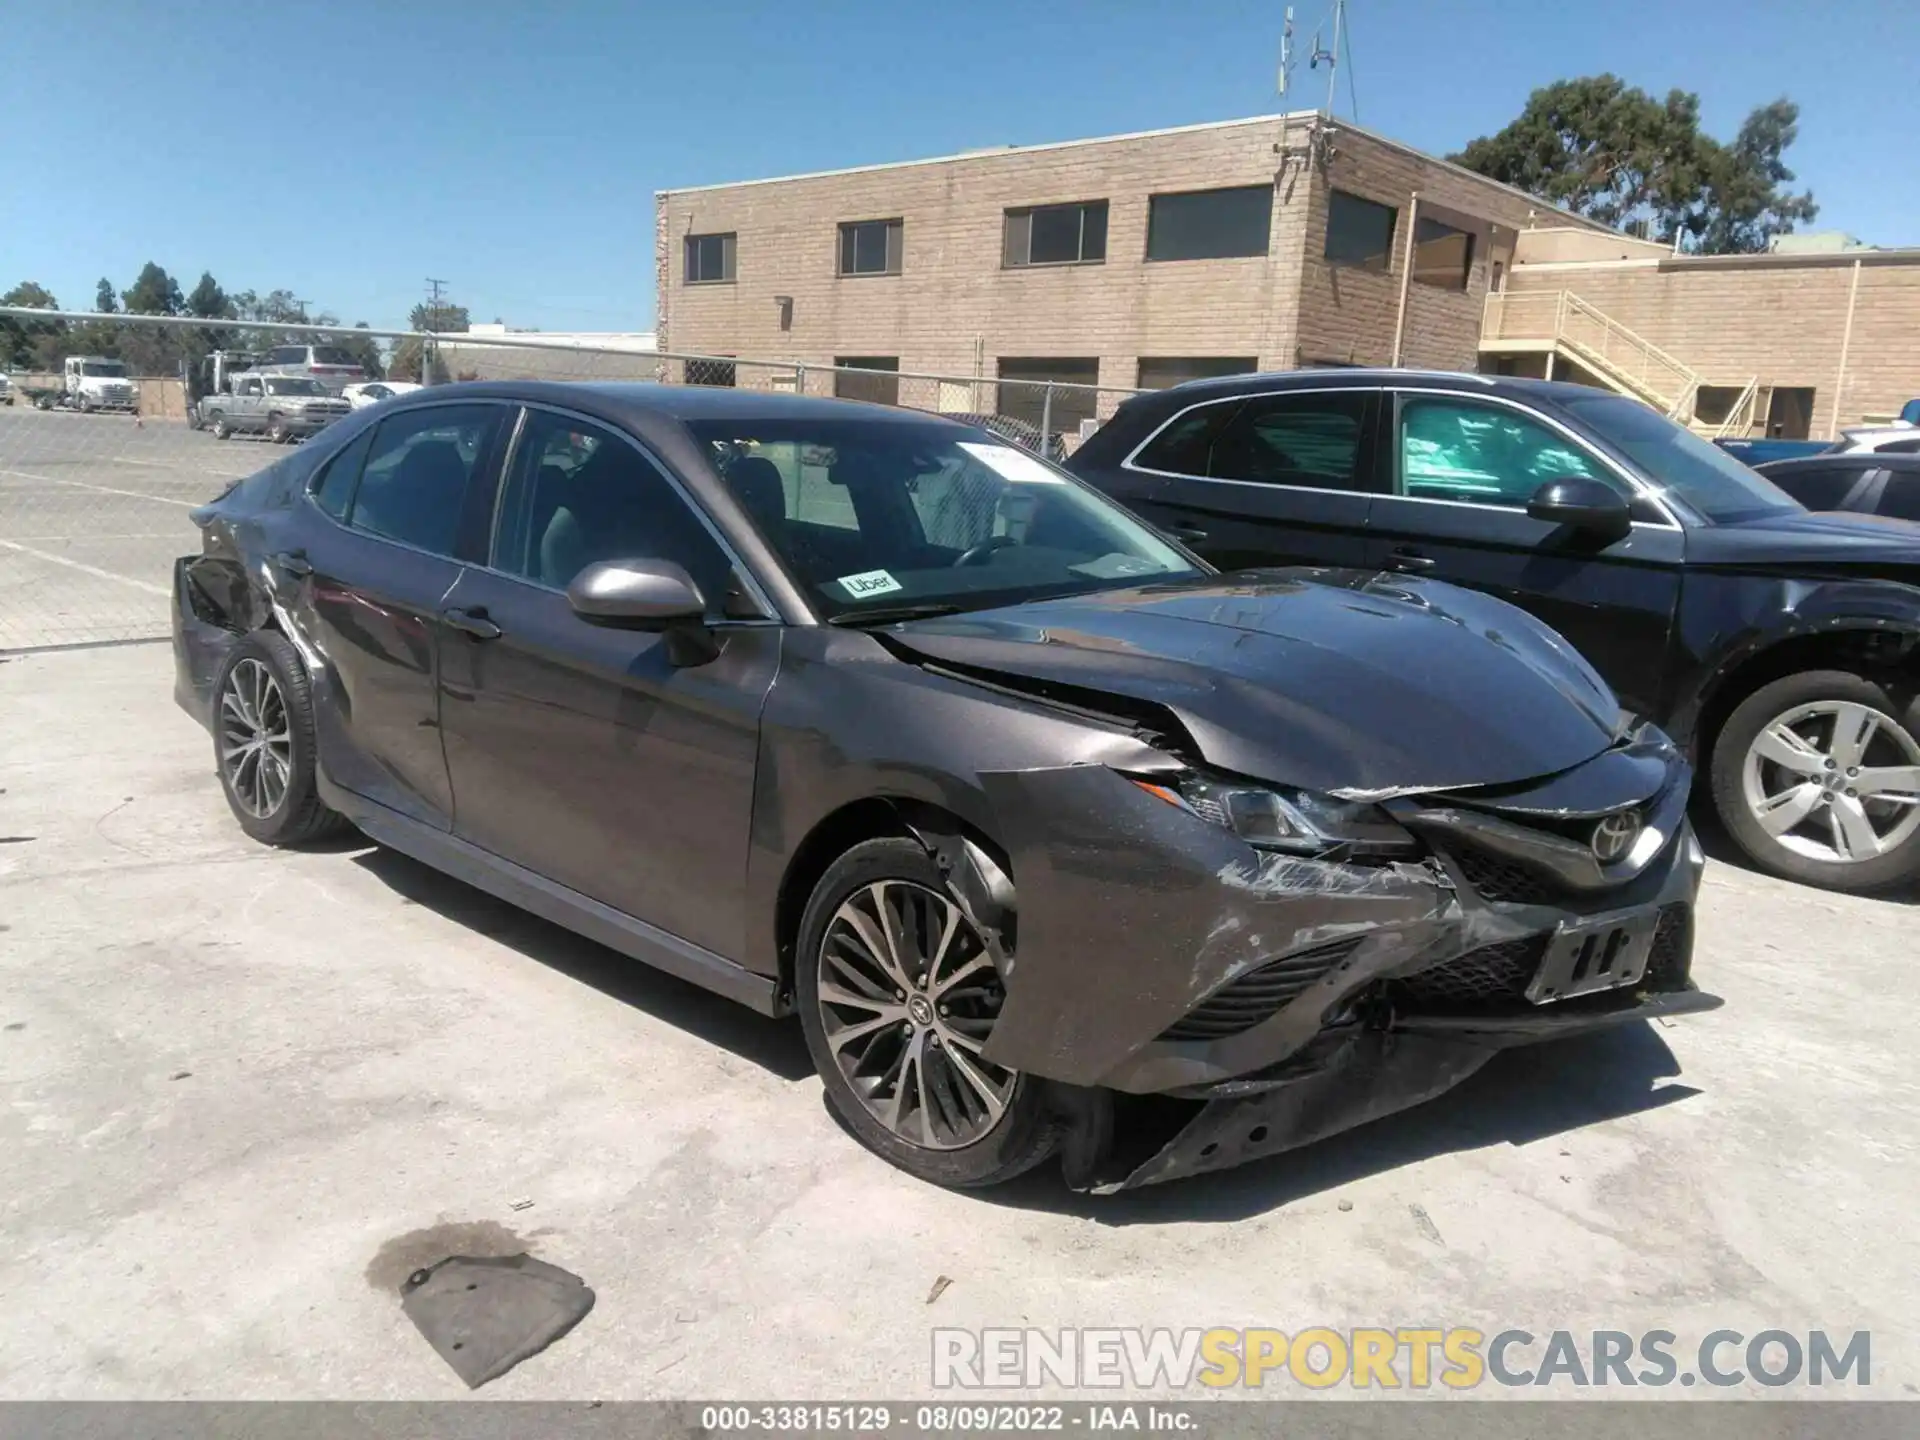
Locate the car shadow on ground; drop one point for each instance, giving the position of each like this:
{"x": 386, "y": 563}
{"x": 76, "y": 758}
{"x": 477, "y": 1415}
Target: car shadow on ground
{"x": 774, "y": 1045}
{"x": 1521, "y": 1097}
{"x": 1720, "y": 847}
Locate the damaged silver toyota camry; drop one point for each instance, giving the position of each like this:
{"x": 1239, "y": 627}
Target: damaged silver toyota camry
{"x": 1058, "y": 842}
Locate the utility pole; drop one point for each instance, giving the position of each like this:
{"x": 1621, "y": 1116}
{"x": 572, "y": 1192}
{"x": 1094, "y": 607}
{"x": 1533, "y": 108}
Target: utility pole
{"x": 436, "y": 292}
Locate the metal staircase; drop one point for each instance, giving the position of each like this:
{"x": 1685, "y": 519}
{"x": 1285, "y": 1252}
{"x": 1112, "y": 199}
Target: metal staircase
{"x": 1559, "y": 323}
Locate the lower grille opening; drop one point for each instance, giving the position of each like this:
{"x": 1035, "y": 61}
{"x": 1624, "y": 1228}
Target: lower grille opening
{"x": 1258, "y": 995}
{"x": 1497, "y": 878}
{"x": 1671, "y": 962}
{"x": 1494, "y": 976}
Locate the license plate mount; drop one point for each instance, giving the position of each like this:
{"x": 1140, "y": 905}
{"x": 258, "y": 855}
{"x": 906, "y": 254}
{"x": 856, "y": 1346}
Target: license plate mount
{"x": 1599, "y": 952}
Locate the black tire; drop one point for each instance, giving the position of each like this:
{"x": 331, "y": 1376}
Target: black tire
{"x": 217, "y": 423}
{"x": 1900, "y": 865}
{"x": 1026, "y": 1133}
{"x": 277, "y": 432}
{"x": 300, "y": 817}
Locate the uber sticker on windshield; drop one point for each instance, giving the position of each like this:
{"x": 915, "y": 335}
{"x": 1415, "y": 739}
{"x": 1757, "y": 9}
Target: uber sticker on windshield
{"x": 1011, "y": 464}
{"x": 868, "y": 582}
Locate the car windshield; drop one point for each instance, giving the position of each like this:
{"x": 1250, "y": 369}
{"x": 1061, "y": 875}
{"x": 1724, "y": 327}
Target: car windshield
{"x": 295, "y": 387}
{"x": 1705, "y": 478}
{"x": 874, "y": 517}
{"x": 104, "y": 368}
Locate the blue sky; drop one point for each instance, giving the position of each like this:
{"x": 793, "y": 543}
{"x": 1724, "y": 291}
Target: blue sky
{"x": 348, "y": 150}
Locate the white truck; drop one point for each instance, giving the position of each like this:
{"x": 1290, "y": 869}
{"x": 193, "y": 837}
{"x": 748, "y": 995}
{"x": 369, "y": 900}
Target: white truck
{"x": 92, "y": 383}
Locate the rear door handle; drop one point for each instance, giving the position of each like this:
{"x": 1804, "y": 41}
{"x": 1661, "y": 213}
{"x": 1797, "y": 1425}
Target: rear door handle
{"x": 1407, "y": 558}
{"x": 473, "y": 622}
{"x": 294, "y": 562}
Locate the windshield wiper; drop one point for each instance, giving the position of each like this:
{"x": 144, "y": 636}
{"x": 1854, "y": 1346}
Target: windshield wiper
{"x": 891, "y": 614}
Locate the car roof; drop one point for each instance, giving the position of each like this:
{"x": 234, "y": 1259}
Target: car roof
{"x": 654, "y": 400}
{"x": 1842, "y": 460}
{"x": 1372, "y": 377}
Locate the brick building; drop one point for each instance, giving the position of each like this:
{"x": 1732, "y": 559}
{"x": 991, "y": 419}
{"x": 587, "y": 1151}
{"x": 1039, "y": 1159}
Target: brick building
{"x": 1270, "y": 243}
{"x": 1131, "y": 260}
{"x": 1798, "y": 342}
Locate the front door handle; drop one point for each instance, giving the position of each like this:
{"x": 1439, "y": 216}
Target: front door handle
{"x": 1407, "y": 558}
{"x": 294, "y": 562}
{"x": 473, "y": 622}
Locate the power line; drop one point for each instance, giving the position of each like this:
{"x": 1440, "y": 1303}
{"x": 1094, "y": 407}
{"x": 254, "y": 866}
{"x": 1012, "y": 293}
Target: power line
{"x": 436, "y": 292}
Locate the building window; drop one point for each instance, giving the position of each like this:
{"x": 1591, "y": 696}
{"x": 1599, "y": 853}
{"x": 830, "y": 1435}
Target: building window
{"x": 1025, "y": 385}
{"x": 1442, "y": 255}
{"x": 1056, "y": 235}
{"x": 709, "y": 259}
{"x": 873, "y": 378}
{"x": 1359, "y": 232}
{"x": 870, "y": 247}
{"x": 1210, "y": 224}
{"x": 1159, "y": 373}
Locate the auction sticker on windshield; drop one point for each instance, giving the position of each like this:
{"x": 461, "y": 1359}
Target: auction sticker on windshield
{"x": 1011, "y": 464}
{"x": 868, "y": 582}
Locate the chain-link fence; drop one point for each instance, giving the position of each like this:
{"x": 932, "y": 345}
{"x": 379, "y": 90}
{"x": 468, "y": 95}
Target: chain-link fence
{"x": 114, "y": 427}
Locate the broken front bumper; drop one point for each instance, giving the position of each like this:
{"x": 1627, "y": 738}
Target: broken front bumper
{"x": 1294, "y": 998}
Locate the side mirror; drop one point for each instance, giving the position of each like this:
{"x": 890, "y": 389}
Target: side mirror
{"x": 1587, "y": 505}
{"x": 636, "y": 595}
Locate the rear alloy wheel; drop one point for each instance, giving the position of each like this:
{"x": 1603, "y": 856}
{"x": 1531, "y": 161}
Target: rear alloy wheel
{"x": 898, "y": 996}
{"x": 263, "y": 742}
{"x": 1817, "y": 777}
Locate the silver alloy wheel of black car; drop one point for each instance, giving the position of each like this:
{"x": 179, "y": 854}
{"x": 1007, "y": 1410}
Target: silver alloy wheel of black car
{"x": 1835, "y": 781}
{"x": 907, "y": 997}
{"x": 256, "y": 738}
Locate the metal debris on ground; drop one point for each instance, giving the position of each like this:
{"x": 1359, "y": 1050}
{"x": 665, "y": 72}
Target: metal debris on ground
{"x": 483, "y": 1316}
{"x": 1423, "y": 1222}
{"x": 521, "y": 1205}
{"x": 939, "y": 1288}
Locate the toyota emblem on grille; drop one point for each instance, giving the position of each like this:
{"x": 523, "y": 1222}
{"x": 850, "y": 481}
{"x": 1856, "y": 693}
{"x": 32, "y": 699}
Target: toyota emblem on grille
{"x": 1613, "y": 837}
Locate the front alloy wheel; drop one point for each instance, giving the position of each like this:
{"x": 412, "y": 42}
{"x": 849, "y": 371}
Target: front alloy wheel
{"x": 1817, "y": 776}
{"x": 898, "y": 994}
{"x": 908, "y": 996}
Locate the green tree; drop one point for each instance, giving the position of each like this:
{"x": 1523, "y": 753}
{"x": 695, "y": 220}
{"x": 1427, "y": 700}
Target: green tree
{"x": 364, "y": 349}
{"x": 154, "y": 293}
{"x": 1615, "y": 154}
{"x": 442, "y": 319}
{"x": 104, "y": 299}
{"x": 19, "y": 338}
{"x": 208, "y": 300}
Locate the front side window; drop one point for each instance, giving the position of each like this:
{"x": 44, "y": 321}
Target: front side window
{"x": 579, "y": 493}
{"x": 1056, "y": 235}
{"x": 1442, "y": 255}
{"x": 1306, "y": 440}
{"x": 295, "y": 386}
{"x": 250, "y": 387}
{"x": 874, "y": 515}
{"x": 871, "y": 247}
{"x": 1359, "y": 232}
{"x": 710, "y": 259}
{"x": 1484, "y": 454}
{"x": 1699, "y": 473}
{"x": 414, "y": 484}
{"x": 1210, "y": 224}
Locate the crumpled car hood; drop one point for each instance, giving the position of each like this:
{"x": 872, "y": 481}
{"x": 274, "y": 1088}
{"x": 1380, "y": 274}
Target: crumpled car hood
{"x": 1338, "y": 681}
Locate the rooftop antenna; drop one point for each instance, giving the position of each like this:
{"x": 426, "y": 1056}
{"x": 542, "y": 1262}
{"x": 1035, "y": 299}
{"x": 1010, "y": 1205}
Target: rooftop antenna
{"x": 1286, "y": 54}
{"x": 1332, "y": 59}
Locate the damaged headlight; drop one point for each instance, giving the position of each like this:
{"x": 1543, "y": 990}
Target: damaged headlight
{"x": 1297, "y": 821}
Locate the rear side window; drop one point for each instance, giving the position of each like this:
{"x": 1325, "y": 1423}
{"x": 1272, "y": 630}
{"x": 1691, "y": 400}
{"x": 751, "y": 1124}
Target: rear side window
{"x": 1901, "y": 498}
{"x": 414, "y": 484}
{"x": 1306, "y": 440}
{"x": 333, "y": 490}
{"x": 1824, "y": 488}
{"x": 1185, "y": 445}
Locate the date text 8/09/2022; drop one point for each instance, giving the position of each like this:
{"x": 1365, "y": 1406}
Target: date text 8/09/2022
{"x": 944, "y": 1418}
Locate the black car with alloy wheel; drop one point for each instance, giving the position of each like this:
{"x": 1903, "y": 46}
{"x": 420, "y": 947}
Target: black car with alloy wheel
{"x": 1781, "y": 649}
{"x": 1056, "y": 840}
